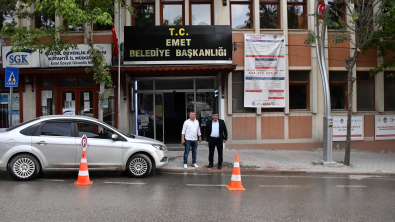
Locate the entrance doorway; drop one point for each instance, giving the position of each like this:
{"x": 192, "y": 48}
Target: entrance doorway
{"x": 78, "y": 102}
{"x": 175, "y": 113}
{"x": 161, "y": 109}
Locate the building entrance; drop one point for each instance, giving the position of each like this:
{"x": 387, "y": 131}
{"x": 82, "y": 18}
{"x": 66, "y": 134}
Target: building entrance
{"x": 160, "y": 114}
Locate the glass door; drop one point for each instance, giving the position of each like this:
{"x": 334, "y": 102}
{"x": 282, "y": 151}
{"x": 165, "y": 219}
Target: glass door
{"x": 205, "y": 105}
{"x": 145, "y": 115}
{"x": 68, "y": 102}
{"x": 159, "y": 117}
{"x": 86, "y": 103}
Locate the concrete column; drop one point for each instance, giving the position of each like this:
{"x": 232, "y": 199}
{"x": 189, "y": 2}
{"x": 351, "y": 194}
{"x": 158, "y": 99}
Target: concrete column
{"x": 157, "y": 12}
{"x": 128, "y": 16}
{"x": 229, "y": 97}
{"x": 256, "y": 16}
{"x": 284, "y": 26}
{"x": 187, "y": 12}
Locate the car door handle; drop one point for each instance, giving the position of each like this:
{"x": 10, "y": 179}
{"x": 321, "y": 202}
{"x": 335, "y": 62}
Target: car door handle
{"x": 41, "y": 143}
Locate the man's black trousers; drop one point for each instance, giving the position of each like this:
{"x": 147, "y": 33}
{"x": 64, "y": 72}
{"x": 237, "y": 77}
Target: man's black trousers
{"x": 212, "y": 143}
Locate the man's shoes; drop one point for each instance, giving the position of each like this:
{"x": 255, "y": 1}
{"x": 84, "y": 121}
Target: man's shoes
{"x": 185, "y": 166}
{"x": 210, "y": 166}
{"x": 195, "y": 165}
{"x": 219, "y": 167}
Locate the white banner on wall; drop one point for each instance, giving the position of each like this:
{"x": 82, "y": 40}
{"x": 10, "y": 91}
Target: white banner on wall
{"x": 384, "y": 127}
{"x": 23, "y": 59}
{"x": 340, "y": 128}
{"x": 264, "y": 70}
{"x": 76, "y": 57}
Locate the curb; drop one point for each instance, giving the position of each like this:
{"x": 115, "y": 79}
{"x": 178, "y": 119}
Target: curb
{"x": 271, "y": 171}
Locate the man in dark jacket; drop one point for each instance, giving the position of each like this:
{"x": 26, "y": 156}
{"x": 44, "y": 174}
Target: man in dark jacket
{"x": 216, "y": 136}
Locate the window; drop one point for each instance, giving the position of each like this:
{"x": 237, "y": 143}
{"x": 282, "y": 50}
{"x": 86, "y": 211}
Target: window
{"x": 365, "y": 92}
{"x": 47, "y": 102}
{"x": 144, "y": 13}
{"x": 299, "y": 90}
{"x": 269, "y": 14}
{"x": 241, "y": 14}
{"x": 56, "y": 129}
{"x": 336, "y": 12}
{"x": 338, "y": 90}
{"x": 201, "y": 12}
{"x": 108, "y": 6}
{"x": 29, "y": 131}
{"x": 92, "y": 130}
{"x": 68, "y": 82}
{"x": 6, "y": 16}
{"x": 238, "y": 94}
{"x": 297, "y": 17}
{"x": 4, "y": 95}
{"x": 47, "y": 20}
{"x": 389, "y": 90}
{"x": 172, "y": 12}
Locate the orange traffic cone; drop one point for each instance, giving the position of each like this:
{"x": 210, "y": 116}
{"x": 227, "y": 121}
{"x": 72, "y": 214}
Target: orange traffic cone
{"x": 235, "y": 181}
{"x": 83, "y": 174}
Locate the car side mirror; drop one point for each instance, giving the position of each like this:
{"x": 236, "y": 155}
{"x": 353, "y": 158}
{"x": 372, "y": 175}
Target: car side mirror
{"x": 114, "y": 136}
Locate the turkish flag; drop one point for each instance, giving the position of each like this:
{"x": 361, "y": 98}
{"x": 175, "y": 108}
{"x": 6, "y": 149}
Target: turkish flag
{"x": 115, "y": 39}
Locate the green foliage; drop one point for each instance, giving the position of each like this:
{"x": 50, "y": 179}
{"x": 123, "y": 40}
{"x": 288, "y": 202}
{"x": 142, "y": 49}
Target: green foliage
{"x": 311, "y": 39}
{"x": 384, "y": 38}
{"x": 47, "y": 38}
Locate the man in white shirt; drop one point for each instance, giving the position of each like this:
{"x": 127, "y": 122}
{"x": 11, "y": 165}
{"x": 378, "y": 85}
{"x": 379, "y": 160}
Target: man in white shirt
{"x": 190, "y": 132}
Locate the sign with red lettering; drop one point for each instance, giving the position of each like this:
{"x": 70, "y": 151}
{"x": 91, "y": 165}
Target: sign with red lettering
{"x": 340, "y": 128}
{"x": 384, "y": 127}
{"x": 264, "y": 66}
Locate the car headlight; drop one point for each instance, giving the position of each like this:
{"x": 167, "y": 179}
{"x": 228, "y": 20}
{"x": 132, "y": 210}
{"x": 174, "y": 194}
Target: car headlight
{"x": 159, "y": 147}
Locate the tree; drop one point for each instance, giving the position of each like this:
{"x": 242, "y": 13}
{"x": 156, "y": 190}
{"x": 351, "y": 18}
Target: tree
{"x": 366, "y": 17}
{"x": 384, "y": 38}
{"x": 78, "y": 15}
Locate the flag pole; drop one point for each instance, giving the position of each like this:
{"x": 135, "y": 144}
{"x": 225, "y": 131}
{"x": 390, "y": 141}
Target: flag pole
{"x": 119, "y": 64}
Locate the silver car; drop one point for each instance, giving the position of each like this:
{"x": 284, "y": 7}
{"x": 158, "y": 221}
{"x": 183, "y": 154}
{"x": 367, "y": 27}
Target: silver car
{"x": 52, "y": 143}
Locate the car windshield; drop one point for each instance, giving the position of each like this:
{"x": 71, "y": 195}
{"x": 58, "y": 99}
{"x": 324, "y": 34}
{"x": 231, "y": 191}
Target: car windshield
{"x": 21, "y": 124}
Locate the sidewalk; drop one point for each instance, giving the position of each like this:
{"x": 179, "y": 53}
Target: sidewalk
{"x": 286, "y": 161}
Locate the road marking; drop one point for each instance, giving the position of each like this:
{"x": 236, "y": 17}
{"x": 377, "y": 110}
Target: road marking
{"x": 131, "y": 183}
{"x": 359, "y": 177}
{"x": 351, "y": 186}
{"x": 281, "y": 186}
{"x": 53, "y": 180}
{"x": 287, "y": 176}
{"x": 206, "y": 185}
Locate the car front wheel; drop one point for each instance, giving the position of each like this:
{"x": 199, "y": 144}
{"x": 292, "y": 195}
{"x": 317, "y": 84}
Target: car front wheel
{"x": 24, "y": 167}
{"x": 139, "y": 165}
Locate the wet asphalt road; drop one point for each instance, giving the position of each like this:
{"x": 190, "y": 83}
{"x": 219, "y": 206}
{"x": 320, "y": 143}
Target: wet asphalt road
{"x": 198, "y": 197}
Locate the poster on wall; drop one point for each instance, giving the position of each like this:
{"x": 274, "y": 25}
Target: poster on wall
{"x": 15, "y": 106}
{"x": 264, "y": 70}
{"x": 340, "y": 128}
{"x": 384, "y": 127}
{"x": 143, "y": 121}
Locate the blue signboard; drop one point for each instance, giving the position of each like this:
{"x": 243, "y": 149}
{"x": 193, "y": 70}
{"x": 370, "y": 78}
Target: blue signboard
{"x": 11, "y": 77}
